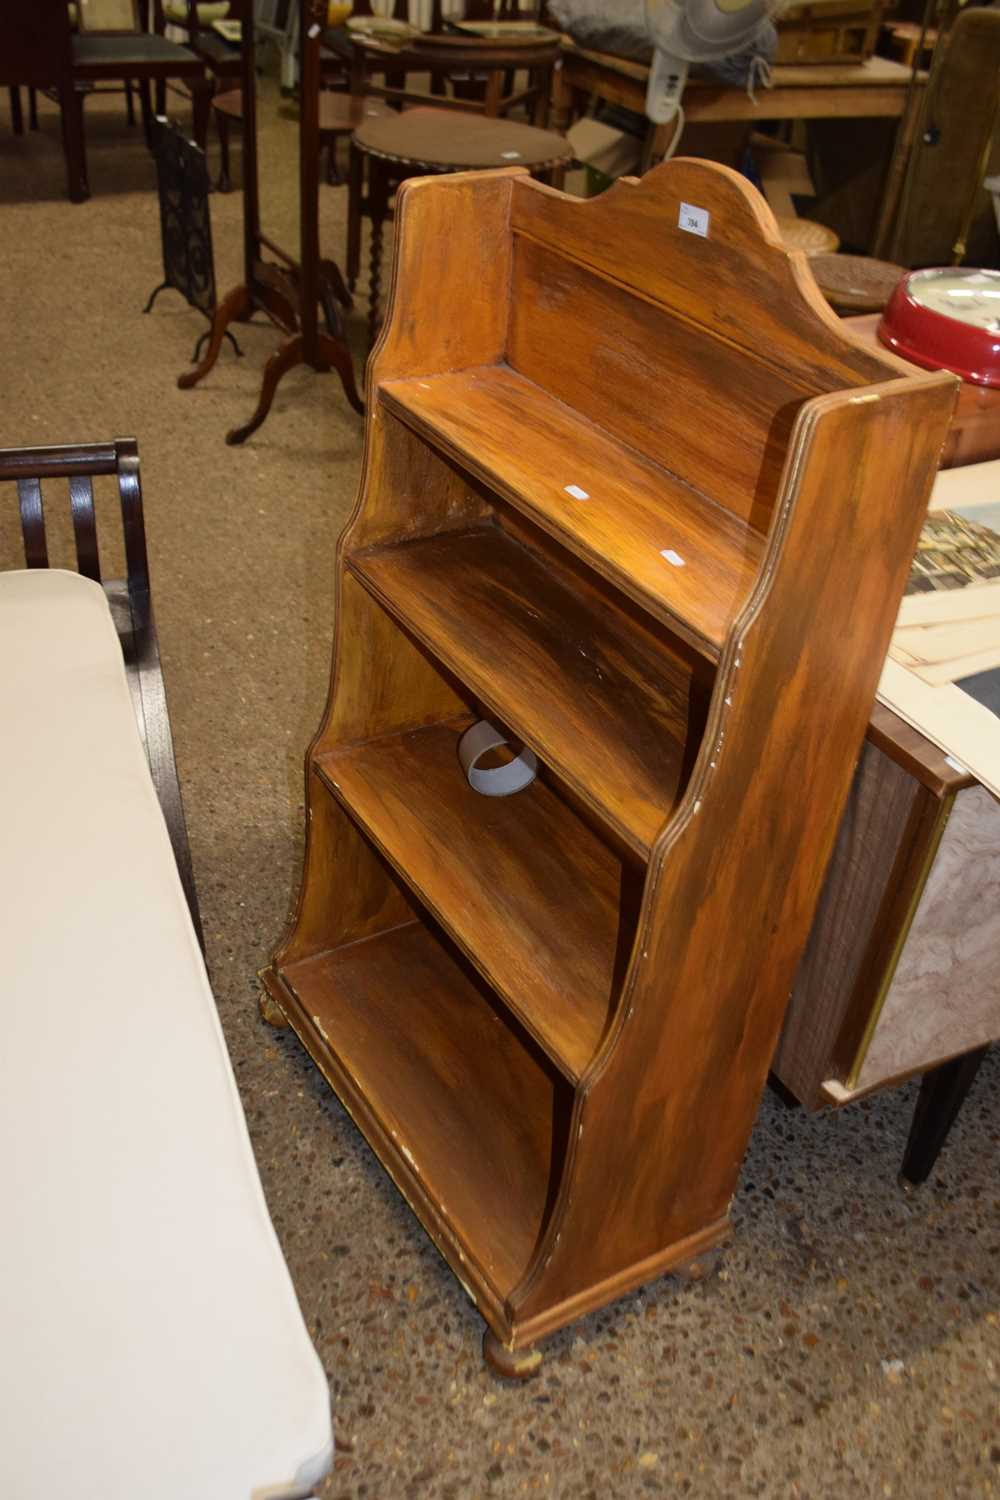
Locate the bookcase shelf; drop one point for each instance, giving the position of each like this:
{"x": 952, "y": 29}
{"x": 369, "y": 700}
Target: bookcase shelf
{"x": 603, "y": 702}
{"x": 522, "y": 885}
{"x": 393, "y": 1066}
{"x": 634, "y": 496}
{"x": 679, "y": 554}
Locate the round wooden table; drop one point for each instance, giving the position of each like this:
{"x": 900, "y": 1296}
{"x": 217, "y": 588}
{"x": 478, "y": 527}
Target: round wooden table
{"x": 856, "y": 283}
{"x": 420, "y": 142}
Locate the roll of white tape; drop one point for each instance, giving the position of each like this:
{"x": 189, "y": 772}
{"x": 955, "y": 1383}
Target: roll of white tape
{"x": 498, "y": 781}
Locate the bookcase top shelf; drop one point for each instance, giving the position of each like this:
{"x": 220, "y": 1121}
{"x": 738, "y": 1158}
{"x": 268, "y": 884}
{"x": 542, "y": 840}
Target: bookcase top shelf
{"x": 672, "y": 549}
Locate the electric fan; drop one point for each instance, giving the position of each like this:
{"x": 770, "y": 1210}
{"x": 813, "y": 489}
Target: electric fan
{"x": 734, "y": 37}
{"x": 690, "y": 31}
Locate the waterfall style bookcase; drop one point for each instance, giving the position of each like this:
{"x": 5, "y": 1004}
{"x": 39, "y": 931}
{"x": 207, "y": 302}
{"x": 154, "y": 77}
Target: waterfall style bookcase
{"x": 632, "y": 493}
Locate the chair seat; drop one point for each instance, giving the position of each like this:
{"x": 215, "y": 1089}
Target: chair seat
{"x": 150, "y": 1341}
{"x": 219, "y": 53}
{"x": 116, "y": 54}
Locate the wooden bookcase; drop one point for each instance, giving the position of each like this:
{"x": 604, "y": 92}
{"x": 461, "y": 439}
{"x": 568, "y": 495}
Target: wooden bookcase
{"x": 552, "y": 1014}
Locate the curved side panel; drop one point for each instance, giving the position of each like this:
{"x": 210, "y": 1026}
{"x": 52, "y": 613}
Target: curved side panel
{"x": 452, "y": 242}
{"x": 663, "y": 1118}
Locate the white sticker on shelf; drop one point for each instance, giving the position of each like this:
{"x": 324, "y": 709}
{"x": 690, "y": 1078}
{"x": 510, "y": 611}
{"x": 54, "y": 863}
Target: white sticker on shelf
{"x": 510, "y": 155}
{"x": 576, "y": 492}
{"x": 673, "y": 557}
{"x": 693, "y": 220}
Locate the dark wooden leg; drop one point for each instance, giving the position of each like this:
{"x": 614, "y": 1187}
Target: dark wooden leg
{"x": 201, "y": 106}
{"x": 33, "y": 108}
{"x": 355, "y": 192}
{"x": 282, "y": 360}
{"x": 938, "y": 1103}
{"x": 146, "y": 111}
{"x": 129, "y": 103}
{"x": 233, "y": 306}
{"x": 335, "y": 353}
{"x": 161, "y": 96}
{"x": 74, "y": 144}
{"x": 225, "y": 182}
{"x": 512, "y": 1364}
{"x": 16, "y": 114}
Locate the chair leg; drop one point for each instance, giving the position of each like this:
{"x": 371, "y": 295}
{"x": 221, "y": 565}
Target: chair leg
{"x": 129, "y": 103}
{"x": 33, "y": 108}
{"x": 146, "y": 110}
{"x": 201, "y": 108}
{"x": 16, "y": 115}
{"x": 224, "y": 184}
{"x": 161, "y": 96}
{"x": 938, "y": 1103}
{"x": 74, "y": 143}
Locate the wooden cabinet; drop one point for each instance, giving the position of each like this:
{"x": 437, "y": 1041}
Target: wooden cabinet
{"x": 631, "y": 493}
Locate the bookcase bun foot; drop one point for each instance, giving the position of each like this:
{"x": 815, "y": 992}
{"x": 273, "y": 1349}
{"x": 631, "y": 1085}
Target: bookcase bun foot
{"x": 271, "y": 1012}
{"x": 641, "y": 501}
{"x": 512, "y": 1364}
{"x": 700, "y": 1267}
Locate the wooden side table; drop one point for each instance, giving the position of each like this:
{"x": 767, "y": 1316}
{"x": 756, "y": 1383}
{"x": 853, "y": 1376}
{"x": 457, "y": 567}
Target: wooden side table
{"x": 423, "y": 142}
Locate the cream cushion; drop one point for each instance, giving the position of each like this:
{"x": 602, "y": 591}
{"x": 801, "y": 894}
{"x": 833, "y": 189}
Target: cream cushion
{"x": 176, "y": 10}
{"x": 151, "y": 1347}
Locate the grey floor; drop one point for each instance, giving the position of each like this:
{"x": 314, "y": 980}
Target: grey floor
{"x": 850, "y": 1345}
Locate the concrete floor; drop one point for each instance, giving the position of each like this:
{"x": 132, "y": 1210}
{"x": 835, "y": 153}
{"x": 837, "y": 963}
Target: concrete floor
{"x": 850, "y": 1345}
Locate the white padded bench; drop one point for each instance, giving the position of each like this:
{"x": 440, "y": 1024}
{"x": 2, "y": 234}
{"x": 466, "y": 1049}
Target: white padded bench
{"x": 151, "y": 1347}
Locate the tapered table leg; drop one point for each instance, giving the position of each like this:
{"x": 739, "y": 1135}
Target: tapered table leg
{"x": 938, "y": 1103}
{"x": 281, "y": 361}
{"x": 233, "y": 306}
{"x": 337, "y": 355}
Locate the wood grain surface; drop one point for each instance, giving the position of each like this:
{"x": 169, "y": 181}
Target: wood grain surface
{"x": 634, "y": 509}
{"x": 871, "y": 832}
{"x": 475, "y": 578}
{"x": 478, "y": 1171}
{"x": 529, "y": 893}
{"x": 604, "y": 704}
{"x": 675, "y": 1088}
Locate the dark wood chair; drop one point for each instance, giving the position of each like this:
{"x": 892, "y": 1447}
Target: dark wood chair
{"x": 39, "y": 50}
{"x": 129, "y": 599}
{"x": 221, "y": 58}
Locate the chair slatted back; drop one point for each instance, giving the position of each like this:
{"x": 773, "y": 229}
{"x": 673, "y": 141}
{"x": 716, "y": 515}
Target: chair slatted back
{"x": 27, "y": 467}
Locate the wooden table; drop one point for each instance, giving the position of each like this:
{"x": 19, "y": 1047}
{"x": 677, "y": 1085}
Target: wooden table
{"x": 421, "y": 142}
{"x": 874, "y": 89}
{"x": 879, "y": 995}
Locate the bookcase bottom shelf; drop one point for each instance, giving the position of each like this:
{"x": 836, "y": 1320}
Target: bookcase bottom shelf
{"x": 467, "y": 1120}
